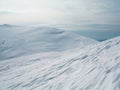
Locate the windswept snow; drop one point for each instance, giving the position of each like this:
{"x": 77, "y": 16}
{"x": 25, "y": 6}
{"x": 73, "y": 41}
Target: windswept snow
{"x": 95, "y": 67}
{"x": 17, "y": 41}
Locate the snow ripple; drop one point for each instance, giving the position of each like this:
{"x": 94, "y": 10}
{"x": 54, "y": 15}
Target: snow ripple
{"x": 94, "y": 68}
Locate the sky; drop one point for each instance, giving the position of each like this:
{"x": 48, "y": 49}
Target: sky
{"x": 66, "y": 14}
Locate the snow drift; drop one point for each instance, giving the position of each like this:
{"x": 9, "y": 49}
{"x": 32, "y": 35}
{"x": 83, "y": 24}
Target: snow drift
{"x": 17, "y": 41}
{"x": 95, "y": 67}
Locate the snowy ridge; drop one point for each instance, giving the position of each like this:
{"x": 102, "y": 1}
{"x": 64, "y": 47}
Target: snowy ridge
{"x": 96, "y": 67}
{"x": 17, "y": 41}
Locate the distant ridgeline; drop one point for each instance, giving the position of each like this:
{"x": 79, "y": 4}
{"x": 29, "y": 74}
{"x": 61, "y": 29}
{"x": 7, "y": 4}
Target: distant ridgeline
{"x": 100, "y": 35}
{"x": 7, "y": 25}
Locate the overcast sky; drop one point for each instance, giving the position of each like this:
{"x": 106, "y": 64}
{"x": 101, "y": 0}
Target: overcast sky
{"x": 67, "y": 14}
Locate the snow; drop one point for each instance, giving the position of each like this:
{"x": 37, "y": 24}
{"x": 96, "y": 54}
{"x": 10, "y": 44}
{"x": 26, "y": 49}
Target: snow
{"x": 96, "y": 67}
{"x": 17, "y": 41}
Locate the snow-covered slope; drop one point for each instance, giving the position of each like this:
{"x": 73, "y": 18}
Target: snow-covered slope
{"x": 96, "y": 67}
{"x": 19, "y": 40}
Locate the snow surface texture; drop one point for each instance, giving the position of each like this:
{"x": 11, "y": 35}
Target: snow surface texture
{"x": 17, "y": 41}
{"x": 95, "y": 67}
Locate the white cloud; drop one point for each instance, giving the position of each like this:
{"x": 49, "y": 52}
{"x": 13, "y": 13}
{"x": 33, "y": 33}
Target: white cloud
{"x": 62, "y": 12}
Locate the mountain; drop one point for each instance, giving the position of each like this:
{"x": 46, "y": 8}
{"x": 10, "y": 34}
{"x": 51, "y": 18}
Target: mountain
{"x": 96, "y": 67}
{"x": 7, "y": 26}
{"x": 17, "y": 41}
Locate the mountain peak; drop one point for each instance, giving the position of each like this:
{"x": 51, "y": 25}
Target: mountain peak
{"x": 6, "y": 25}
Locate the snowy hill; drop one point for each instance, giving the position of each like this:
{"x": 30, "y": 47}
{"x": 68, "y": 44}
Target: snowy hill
{"x": 95, "y": 67}
{"x": 16, "y": 41}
